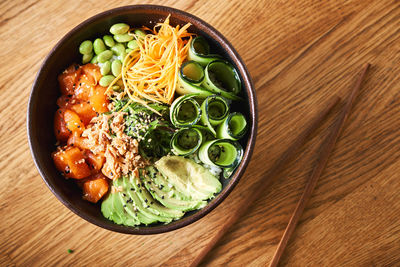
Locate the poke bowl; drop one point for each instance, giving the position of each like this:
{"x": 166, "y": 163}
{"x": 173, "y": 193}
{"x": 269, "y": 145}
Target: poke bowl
{"x": 189, "y": 123}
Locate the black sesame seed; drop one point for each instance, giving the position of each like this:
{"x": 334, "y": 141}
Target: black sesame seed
{"x": 146, "y": 200}
{"x": 162, "y": 197}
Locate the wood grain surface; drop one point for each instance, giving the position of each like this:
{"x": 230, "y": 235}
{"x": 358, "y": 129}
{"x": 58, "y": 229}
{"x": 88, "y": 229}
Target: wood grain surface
{"x": 299, "y": 53}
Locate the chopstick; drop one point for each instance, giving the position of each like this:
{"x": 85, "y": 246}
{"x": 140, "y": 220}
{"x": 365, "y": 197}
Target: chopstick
{"x": 326, "y": 150}
{"x": 273, "y": 173}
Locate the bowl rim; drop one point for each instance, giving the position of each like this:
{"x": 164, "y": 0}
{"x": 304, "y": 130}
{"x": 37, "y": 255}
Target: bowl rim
{"x": 248, "y": 84}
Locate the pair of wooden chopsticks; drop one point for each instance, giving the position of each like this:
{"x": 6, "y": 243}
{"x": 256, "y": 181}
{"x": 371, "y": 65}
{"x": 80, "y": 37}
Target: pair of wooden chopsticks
{"x": 278, "y": 166}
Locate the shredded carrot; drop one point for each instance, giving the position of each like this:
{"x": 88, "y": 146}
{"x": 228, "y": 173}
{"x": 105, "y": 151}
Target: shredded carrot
{"x": 150, "y": 72}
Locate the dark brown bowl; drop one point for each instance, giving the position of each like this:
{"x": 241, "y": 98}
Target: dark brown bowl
{"x": 42, "y": 105}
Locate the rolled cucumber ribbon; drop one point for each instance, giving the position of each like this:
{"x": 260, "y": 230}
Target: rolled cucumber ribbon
{"x": 199, "y": 51}
{"x": 222, "y": 78}
{"x": 185, "y": 111}
{"x": 214, "y": 110}
{"x": 233, "y": 127}
{"x": 190, "y": 78}
{"x": 223, "y": 153}
{"x": 186, "y": 141}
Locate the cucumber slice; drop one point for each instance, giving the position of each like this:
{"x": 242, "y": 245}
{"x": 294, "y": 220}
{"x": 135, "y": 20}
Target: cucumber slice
{"x": 186, "y": 141}
{"x": 222, "y": 79}
{"x": 214, "y": 110}
{"x": 199, "y": 51}
{"x": 223, "y": 153}
{"x": 185, "y": 111}
{"x": 233, "y": 127}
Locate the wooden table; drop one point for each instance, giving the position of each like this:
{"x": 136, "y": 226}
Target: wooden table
{"x": 299, "y": 53}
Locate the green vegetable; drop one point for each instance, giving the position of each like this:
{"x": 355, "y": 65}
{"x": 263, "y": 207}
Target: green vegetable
{"x": 139, "y": 33}
{"x": 118, "y": 49}
{"x": 185, "y": 111}
{"x": 86, "y": 58}
{"x": 104, "y": 56}
{"x": 86, "y": 47}
{"x": 123, "y": 38}
{"x": 128, "y": 50}
{"x": 108, "y": 40}
{"x": 119, "y": 28}
{"x": 186, "y": 141}
{"x": 106, "y": 80}
{"x": 132, "y": 44}
{"x": 199, "y": 51}
{"x": 190, "y": 78}
{"x": 94, "y": 60}
{"x": 105, "y": 68}
{"x": 223, "y": 153}
{"x": 116, "y": 67}
{"x": 214, "y": 110}
{"x": 234, "y": 127}
{"x": 222, "y": 78}
{"x": 70, "y": 251}
{"x": 98, "y": 46}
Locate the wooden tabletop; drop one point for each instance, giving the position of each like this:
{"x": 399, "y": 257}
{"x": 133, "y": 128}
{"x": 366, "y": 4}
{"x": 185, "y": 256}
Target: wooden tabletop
{"x": 299, "y": 54}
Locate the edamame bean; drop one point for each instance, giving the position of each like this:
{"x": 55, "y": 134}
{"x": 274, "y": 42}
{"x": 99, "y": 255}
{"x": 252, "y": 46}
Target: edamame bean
{"x": 123, "y": 38}
{"x": 86, "y": 58}
{"x": 132, "y": 44}
{"x": 98, "y": 46}
{"x": 86, "y": 47}
{"x": 94, "y": 60}
{"x": 108, "y": 40}
{"x": 118, "y": 49}
{"x": 115, "y": 88}
{"x": 119, "y": 28}
{"x": 106, "y": 80}
{"x": 104, "y": 56}
{"x": 105, "y": 68}
{"x": 122, "y": 56}
{"x": 139, "y": 33}
{"x": 128, "y": 50}
{"x": 116, "y": 67}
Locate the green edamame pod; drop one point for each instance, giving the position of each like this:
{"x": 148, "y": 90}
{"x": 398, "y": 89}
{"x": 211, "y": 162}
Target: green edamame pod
{"x": 94, "y": 60}
{"x": 105, "y": 68}
{"x": 106, "y": 80}
{"x": 116, "y": 67}
{"x": 99, "y": 46}
{"x": 119, "y": 28}
{"x": 132, "y": 44}
{"x": 104, "y": 56}
{"x": 86, "y": 47}
{"x": 118, "y": 49}
{"x": 86, "y": 58}
{"x": 108, "y": 40}
{"x": 123, "y": 38}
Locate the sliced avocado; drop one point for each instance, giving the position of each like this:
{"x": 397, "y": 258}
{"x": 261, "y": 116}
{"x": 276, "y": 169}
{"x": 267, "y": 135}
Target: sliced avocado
{"x": 161, "y": 182}
{"x": 189, "y": 177}
{"x": 170, "y": 201}
{"x": 143, "y": 210}
{"x": 152, "y": 204}
{"x": 112, "y": 208}
{"x": 128, "y": 215}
